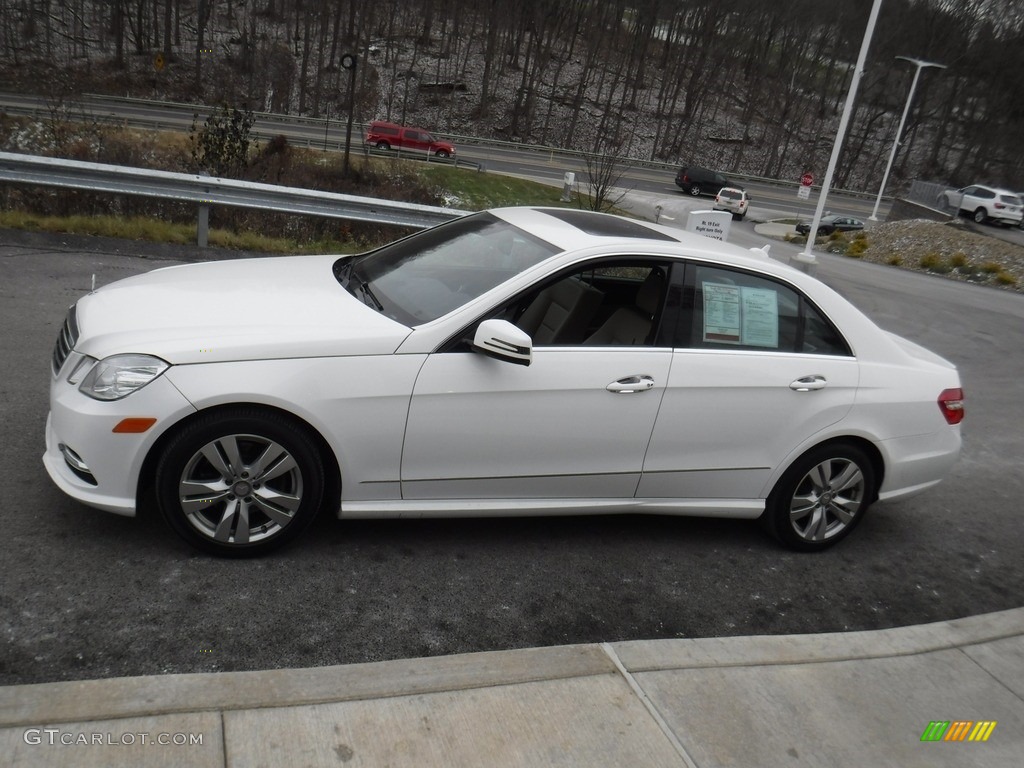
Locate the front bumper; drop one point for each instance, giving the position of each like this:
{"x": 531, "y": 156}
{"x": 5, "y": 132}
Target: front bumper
{"x": 113, "y": 460}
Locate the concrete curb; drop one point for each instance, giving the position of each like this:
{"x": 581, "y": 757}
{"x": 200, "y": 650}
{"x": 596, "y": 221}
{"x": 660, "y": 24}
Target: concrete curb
{"x": 94, "y": 700}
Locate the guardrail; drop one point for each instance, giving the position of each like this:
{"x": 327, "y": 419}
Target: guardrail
{"x": 206, "y": 191}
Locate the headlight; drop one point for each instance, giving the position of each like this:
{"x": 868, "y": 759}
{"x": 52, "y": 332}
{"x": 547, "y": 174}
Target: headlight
{"x": 120, "y": 375}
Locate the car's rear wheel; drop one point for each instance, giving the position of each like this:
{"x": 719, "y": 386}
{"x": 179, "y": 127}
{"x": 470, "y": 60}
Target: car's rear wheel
{"x": 383, "y": 145}
{"x": 240, "y": 482}
{"x": 980, "y": 216}
{"x": 822, "y": 497}
{"x": 695, "y": 190}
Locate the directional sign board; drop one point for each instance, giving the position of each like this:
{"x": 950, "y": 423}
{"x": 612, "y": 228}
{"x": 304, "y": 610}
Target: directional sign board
{"x": 709, "y": 223}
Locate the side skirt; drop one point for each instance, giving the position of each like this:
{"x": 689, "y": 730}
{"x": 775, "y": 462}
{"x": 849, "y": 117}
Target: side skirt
{"x": 416, "y": 508}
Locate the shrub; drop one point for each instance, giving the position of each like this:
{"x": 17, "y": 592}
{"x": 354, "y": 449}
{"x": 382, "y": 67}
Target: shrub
{"x": 857, "y": 247}
{"x": 894, "y": 260}
{"x": 992, "y": 267}
{"x": 958, "y": 259}
{"x": 934, "y": 262}
{"x": 1005, "y": 278}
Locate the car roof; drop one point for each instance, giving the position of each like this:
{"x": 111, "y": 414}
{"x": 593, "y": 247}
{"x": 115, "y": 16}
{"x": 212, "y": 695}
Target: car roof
{"x": 990, "y": 188}
{"x": 572, "y": 230}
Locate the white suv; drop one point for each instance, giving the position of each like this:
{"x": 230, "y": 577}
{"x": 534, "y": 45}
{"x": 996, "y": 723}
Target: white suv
{"x": 734, "y": 200}
{"x": 984, "y": 203}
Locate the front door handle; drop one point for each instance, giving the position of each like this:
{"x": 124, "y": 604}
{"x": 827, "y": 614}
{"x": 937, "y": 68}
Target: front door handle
{"x": 631, "y": 384}
{"x": 807, "y": 383}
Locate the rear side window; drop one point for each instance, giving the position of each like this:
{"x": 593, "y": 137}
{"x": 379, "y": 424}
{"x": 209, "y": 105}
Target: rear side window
{"x": 733, "y": 310}
{"x": 1010, "y": 199}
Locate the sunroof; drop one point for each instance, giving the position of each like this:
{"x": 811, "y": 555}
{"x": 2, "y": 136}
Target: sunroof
{"x": 603, "y": 225}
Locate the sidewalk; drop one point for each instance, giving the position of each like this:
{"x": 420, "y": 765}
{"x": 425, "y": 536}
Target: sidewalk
{"x": 850, "y": 699}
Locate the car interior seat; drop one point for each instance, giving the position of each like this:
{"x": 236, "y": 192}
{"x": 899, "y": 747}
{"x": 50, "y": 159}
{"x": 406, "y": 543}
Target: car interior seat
{"x": 631, "y": 325}
{"x": 561, "y": 312}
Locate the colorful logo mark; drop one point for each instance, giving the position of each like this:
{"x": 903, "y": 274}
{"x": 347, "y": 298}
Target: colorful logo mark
{"x": 958, "y": 730}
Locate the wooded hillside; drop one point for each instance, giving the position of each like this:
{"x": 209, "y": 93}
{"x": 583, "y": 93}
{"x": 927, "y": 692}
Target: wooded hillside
{"x": 744, "y": 86}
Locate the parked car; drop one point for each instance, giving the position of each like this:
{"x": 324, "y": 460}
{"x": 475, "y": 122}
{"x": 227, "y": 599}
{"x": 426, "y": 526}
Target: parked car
{"x": 732, "y": 199}
{"x": 383, "y": 135}
{"x": 520, "y": 361}
{"x": 830, "y": 224}
{"x": 984, "y": 203}
{"x": 701, "y": 181}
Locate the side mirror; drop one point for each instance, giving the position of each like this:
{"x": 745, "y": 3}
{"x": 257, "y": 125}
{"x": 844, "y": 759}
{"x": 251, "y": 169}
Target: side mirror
{"x": 504, "y": 341}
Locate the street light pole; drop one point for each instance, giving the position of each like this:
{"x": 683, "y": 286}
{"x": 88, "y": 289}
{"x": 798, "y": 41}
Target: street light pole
{"x": 919, "y": 64}
{"x": 806, "y": 256}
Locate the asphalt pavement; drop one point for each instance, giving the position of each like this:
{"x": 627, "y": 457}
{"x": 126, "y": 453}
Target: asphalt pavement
{"x": 949, "y": 693}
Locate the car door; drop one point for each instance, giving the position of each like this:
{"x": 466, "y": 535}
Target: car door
{"x": 573, "y": 424}
{"x": 413, "y": 139}
{"x": 756, "y": 373}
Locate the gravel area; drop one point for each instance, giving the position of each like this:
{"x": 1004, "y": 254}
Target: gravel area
{"x": 950, "y": 249}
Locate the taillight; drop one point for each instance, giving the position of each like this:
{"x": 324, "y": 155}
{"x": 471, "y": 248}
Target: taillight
{"x": 951, "y": 403}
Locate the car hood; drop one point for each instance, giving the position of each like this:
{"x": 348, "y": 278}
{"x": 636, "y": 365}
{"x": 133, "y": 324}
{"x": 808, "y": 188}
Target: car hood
{"x": 243, "y": 309}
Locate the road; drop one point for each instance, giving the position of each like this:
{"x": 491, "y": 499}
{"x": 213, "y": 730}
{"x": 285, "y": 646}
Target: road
{"x": 546, "y": 165}
{"x": 86, "y": 594}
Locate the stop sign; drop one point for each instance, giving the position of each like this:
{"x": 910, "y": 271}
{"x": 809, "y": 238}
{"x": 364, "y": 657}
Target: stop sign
{"x": 806, "y": 180}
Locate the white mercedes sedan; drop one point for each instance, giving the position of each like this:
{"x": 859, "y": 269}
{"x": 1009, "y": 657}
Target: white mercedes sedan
{"x": 520, "y": 361}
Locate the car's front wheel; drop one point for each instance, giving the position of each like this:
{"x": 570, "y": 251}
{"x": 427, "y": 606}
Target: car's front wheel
{"x": 442, "y": 153}
{"x": 383, "y": 145}
{"x": 821, "y": 497}
{"x": 239, "y": 482}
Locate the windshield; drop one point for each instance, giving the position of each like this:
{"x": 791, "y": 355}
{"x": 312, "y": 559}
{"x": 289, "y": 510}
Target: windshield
{"x": 429, "y": 274}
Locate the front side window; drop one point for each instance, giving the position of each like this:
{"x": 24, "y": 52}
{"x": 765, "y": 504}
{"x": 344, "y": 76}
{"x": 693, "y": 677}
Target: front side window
{"x": 735, "y": 310}
{"x": 617, "y": 302}
{"x": 427, "y": 275}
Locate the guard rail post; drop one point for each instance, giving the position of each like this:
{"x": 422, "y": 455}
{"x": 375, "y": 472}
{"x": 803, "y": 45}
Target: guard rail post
{"x": 203, "y": 225}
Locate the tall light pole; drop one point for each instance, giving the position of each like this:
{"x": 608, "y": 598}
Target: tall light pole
{"x": 920, "y": 64}
{"x": 806, "y": 256}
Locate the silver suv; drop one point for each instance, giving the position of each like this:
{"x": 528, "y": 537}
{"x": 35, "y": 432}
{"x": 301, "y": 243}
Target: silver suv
{"x": 984, "y": 204}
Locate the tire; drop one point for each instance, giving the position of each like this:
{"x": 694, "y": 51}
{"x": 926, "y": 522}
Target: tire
{"x": 441, "y": 153}
{"x": 383, "y": 145}
{"x": 821, "y": 498}
{"x": 980, "y": 217}
{"x": 244, "y": 506}
{"x": 694, "y": 190}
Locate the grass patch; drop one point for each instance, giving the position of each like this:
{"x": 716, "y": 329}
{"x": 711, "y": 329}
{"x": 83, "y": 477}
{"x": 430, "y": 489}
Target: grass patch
{"x": 471, "y": 190}
{"x": 153, "y": 230}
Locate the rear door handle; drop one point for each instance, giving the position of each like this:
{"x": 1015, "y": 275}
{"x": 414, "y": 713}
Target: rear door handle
{"x": 807, "y": 383}
{"x": 631, "y": 384}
